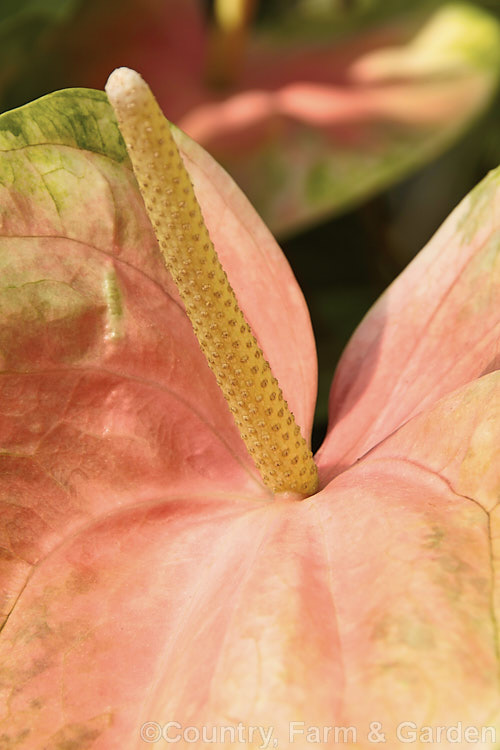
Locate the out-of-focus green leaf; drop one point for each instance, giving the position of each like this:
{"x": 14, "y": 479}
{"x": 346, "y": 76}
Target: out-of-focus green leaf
{"x": 26, "y": 28}
{"x": 315, "y": 19}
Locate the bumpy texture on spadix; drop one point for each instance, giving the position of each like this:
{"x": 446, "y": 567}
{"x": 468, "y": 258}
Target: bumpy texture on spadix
{"x": 262, "y": 415}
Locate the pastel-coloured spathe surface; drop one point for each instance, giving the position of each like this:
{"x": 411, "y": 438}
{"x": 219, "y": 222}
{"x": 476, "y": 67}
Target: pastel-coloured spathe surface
{"x": 144, "y": 574}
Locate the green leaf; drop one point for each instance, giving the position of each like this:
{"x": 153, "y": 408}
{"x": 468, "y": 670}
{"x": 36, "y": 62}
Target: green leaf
{"x": 26, "y": 26}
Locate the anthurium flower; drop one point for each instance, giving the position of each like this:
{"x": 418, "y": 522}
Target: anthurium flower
{"x": 307, "y": 125}
{"x": 154, "y": 589}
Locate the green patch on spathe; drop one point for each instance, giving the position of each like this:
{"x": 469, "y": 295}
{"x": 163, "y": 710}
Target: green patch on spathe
{"x": 81, "y": 118}
{"x": 45, "y": 321}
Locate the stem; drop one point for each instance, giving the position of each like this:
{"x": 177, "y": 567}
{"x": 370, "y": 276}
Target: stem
{"x": 228, "y": 41}
{"x": 252, "y": 392}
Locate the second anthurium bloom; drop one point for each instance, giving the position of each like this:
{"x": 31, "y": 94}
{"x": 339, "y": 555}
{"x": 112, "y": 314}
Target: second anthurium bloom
{"x": 151, "y": 585}
{"x": 309, "y": 116}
